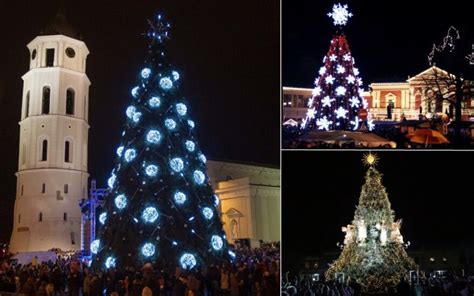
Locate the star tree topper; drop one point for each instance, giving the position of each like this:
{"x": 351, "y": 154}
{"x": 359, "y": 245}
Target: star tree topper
{"x": 340, "y": 14}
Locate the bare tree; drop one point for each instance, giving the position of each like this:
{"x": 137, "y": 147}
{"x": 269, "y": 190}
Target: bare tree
{"x": 453, "y": 85}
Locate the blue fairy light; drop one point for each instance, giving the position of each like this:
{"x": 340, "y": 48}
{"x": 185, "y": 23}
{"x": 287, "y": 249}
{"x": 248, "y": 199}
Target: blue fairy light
{"x": 102, "y": 218}
{"x": 148, "y": 250}
{"x": 191, "y": 123}
{"x": 202, "y": 158}
{"x": 208, "y": 213}
{"x": 150, "y": 214}
{"x": 110, "y": 262}
{"x": 177, "y": 164}
{"x": 153, "y": 137}
{"x": 170, "y": 124}
{"x": 130, "y": 111}
{"x": 175, "y": 75}
{"x": 217, "y": 242}
{"x": 190, "y": 145}
{"x": 166, "y": 83}
{"x": 232, "y": 254}
{"x": 136, "y": 117}
{"x": 188, "y": 261}
{"x": 135, "y": 91}
{"x": 119, "y": 151}
{"x": 95, "y": 244}
{"x": 181, "y": 109}
{"x": 154, "y": 102}
{"x": 130, "y": 154}
{"x": 174, "y": 243}
{"x": 111, "y": 181}
{"x": 120, "y": 201}
{"x": 151, "y": 170}
{"x": 199, "y": 177}
{"x": 179, "y": 197}
{"x": 146, "y": 73}
{"x": 216, "y": 200}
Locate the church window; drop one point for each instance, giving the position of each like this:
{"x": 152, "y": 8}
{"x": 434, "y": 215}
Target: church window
{"x": 40, "y": 217}
{"x": 43, "y": 189}
{"x": 73, "y": 240}
{"x": 44, "y": 150}
{"x": 66, "y": 188}
{"x": 70, "y": 52}
{"x": 49, "y": 57}
{"x": 46, "y": 99}
{"x": 65, "y": 216}
{"x": 70, "y": 95}
{"x": 27, "y": 104}
{"x": 19, "y": 218}
{"x": 33, "y": 54}
{"x": 22, "y": 187}
{"x": 67, "y": 151}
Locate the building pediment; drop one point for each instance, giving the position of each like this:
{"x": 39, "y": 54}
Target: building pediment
{"x": 233, "y": 213}
{"x": 430, "y": 73}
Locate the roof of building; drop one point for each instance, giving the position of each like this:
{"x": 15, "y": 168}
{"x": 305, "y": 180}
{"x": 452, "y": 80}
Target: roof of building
{"x": 60, "y": 26}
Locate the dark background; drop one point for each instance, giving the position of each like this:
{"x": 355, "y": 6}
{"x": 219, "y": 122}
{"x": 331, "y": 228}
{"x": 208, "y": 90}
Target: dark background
{"x": 226, "y": 52}
{"x": 429, "y": 190}
{"x": 389, "y": 40}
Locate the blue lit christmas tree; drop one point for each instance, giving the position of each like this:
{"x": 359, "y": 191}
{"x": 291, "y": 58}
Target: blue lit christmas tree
{"x": 161, "y": 207}
{"x": 337, "y": 97}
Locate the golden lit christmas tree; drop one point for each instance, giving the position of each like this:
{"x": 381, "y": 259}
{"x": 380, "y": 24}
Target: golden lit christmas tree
{"x": 373, "y": 254}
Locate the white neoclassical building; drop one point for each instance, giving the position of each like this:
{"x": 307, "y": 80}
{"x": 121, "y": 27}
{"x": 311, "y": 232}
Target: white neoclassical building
{"x": 52, "y": 167}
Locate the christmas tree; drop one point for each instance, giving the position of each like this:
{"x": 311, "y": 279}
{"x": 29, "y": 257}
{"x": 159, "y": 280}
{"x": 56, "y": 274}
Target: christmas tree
{"x": 337, "y": 96}
{"x": 373, "y": 253}
{"x": 160, "y": 207}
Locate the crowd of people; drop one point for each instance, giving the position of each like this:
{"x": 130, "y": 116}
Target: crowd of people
{"x": 449, "y": 285}
{"x": 254, "y": 272}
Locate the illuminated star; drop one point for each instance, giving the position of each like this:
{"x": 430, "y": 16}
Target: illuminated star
{"x": 340, "y": 90}
{"x": 323, "y": 123}
{"x": 341, "y": 112}
{"x": 350, "y": 79}
{"x": 327, "y": 101}
{"x": 340, "y": 14}
{"x": 329, "y": 79}
{"x": 354, "y": 102}
{"x": 370, "y": 159}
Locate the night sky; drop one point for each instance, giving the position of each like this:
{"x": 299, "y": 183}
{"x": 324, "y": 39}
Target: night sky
{"x": 389, "y": 40}
{"x": 430, "y": 191}
{"x": 227, "y": 54}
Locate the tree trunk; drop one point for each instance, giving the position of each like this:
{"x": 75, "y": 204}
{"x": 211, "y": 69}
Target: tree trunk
{"x": 458, "y": 115}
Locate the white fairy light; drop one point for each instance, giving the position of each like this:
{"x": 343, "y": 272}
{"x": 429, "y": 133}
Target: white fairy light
{"x": 323, "y": 123}
{"x": 341, "y": 69}
{"x": 311, "y": 113}
{"x": 322, "y": 70}
{"x": 327, "y": 101}
{"x": 346, "y": 57}
{"x": 329, "y": 79}
{"x": 350, "y": 79}
{"x": 316, "y": 91}
{"x": 341, "y": 112}
{"x": 333, "y": 58}
{"x": 150, "y": 215}
{"x": 340, "y": 90}
{"x": 217, "y": 242}
{"x": 354, "y": 102}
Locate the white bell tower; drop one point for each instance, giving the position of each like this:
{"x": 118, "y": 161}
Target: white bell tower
{"x": 52, "y": 172}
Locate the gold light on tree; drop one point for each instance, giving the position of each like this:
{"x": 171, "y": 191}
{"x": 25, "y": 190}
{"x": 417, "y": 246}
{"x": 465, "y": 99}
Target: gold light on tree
{"x": 373, "y": 254}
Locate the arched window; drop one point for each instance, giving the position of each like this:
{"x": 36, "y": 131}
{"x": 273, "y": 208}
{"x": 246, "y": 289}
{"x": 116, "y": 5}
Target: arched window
{"x": 27, "y": 103}
{"x": 65, "y": 216}
{"x": 40, "y": 217}
{"x": 44, "y": 151}
{"x": 67, "y": 151}
{"x": 66, "y": 188}
{"x": 70, "y": 96}
{"x": 46, "y": 99}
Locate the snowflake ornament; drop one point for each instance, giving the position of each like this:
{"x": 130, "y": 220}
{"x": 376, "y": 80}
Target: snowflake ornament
{"x": 329, "y": 79}
{"x": 323, "y": 123}
{"x": 346, "y": 57}
{"x": 356, "y": 71}
{"x": 341, "y": 69}
{"x": 341, "y": 112}
{"x": 322, "y": 70}
{"x": 340, "y": 14}
{"x": 333, "y": 58}
{"x": 354, "y": 102}
{"x": 340, "y": 90}
{"x": 327, "y": 101}
{"x": 350, "y": 79}
{"x": 311, "y": 113}
{"x": 370, "y": 124}
{"x": 316, "y": 91}
{"x": 355, "y": 123}
{"x": 310, "y": 102}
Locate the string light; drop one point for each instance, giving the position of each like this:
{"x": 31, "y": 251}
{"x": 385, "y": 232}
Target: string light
{"x": 148, "y": 250}
{"x": 217, "y": 242}
{"x": 151, "y": 170}
{"x": 120, "y": 201}
{"x": 130, "y": 154}
{"x": 179, "y": 197}
{"x": 208, "y": 213}
{"x": 181, "y": 109}
{"x": 153, "y": 137}
{"x": 102, "y": 218}
{"x": 177, "y": 164}
{"x": 154, "y": 102}
{"x": 166, "y": 83}
{"x": 188, "y": 261}
{"x": 95, "y": 244}
{"x": 199, "y": 177}
{"x": 150, "y": 214}
{"x": 110, "y": 262}
{"x": 170, "y": 124}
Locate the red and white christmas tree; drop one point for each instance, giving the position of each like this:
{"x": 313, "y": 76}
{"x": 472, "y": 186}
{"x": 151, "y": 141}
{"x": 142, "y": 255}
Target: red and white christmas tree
{"x": 337, "y": 99}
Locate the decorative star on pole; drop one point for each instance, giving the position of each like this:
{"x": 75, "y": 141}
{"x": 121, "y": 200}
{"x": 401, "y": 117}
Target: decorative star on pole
{"x": 340, "y": 14}
{"x": 159, "y": 30}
